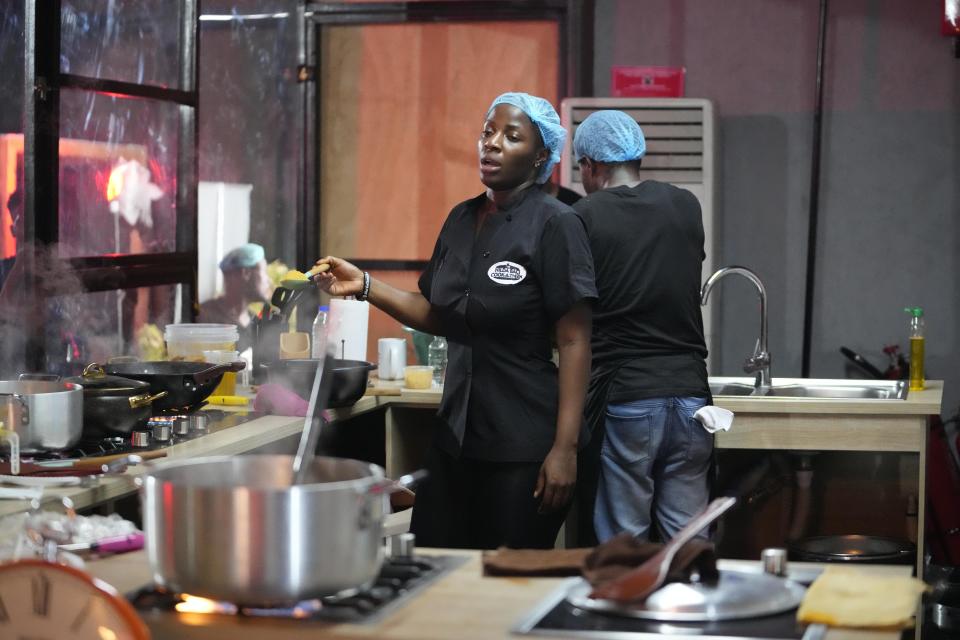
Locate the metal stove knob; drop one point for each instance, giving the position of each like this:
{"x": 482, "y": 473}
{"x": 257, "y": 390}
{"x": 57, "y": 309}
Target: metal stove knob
{"x": 162, "y": 432}
{"x": 199, "y": 422}
{"x": 181, "y": 426}
{"x": 140, "y": 439}
{"x": 402, "y": 545}
{"x": 774, "y": 560}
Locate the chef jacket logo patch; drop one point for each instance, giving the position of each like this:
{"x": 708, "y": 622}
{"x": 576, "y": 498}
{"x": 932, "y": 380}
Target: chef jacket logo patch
{"x": 506, "y": 273}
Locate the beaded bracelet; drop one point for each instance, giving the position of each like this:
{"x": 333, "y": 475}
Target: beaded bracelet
{"x": 365, "y": 292}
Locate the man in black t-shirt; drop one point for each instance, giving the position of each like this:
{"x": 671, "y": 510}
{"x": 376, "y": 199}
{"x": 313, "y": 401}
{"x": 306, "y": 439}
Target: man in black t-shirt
{"x": 649, "y": 375}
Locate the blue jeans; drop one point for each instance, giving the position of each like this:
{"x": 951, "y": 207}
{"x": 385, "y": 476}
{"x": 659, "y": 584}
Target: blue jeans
{"x": 653, "y": 462}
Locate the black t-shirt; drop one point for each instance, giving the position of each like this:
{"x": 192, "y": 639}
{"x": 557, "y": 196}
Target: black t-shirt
{"x": 647, "y": 243}
{"x": 499, "y": 294}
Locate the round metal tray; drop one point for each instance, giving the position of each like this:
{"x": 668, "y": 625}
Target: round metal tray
{"x": 736, "y": 595}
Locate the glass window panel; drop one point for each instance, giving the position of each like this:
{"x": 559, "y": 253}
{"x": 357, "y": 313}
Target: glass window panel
{"x": 128, "y": 40}
{"x": 93, "y": 327}
{"x": 250, "y": 130}
{"x": 118, "y": 167}
{"x": 11, "y": 128}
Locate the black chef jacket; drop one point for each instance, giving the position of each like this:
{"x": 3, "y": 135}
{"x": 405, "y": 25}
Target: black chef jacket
{"x": 499, "y": 293}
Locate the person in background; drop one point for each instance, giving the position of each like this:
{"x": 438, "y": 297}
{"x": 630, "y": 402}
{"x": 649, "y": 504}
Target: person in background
{"x": 649, "y": 374}
{"x": 510, "y": 269}
{"x": 561, "y": 193}
{"x": 15, "y": 207}
{"x": 245, "y": 282}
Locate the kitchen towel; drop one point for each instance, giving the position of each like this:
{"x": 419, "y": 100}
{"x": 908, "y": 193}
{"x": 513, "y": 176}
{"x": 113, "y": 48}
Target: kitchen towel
{"x": 714, "y": 418}
{"x": 601, "y": 564}
{"x": 347, "y": 335}
{"x": 846, "y": 597}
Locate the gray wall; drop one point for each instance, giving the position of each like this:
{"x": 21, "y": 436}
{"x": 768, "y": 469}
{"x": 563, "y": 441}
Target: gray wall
{"x": 890, "y": 174}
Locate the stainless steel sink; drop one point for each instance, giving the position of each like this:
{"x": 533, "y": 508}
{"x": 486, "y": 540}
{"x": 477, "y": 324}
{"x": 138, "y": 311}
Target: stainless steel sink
{"x": 799, "y": 388}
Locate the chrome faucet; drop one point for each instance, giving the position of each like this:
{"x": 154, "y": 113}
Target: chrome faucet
{"x": 759, "y": 362}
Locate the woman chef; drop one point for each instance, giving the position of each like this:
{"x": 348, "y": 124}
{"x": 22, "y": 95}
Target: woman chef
{"x": 510, "y": 271}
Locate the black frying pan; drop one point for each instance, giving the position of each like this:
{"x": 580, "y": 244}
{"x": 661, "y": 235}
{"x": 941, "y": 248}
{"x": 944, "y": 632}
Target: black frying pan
{"x": 186, "y": 383}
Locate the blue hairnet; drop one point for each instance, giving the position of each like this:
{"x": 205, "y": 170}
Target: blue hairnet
{"x": 609, "y": 136}
{"x": 243, "y": 257}
{"x": 545, "y": 117}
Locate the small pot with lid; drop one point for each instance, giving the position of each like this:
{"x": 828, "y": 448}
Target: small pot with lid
{"x": 113, "y": 405}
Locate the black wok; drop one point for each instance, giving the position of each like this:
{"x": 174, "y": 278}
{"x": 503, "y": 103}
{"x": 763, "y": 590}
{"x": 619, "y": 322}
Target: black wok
{"x": 348, "y": 383}
{"x": 186, "y": 383}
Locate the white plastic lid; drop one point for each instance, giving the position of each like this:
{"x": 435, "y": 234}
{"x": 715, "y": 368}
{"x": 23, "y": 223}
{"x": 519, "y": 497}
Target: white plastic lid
{"x": 200, "y": 332}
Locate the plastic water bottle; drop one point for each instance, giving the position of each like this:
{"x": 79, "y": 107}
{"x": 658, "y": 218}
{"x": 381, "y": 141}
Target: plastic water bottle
{"x": 437, "y": 358}
{"x": 318, "y": 334}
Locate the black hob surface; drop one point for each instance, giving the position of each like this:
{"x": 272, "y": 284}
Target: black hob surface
{"x": 399, "y": 580}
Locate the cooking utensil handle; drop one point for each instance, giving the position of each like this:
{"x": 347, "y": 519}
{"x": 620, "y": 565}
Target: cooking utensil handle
{"x": 205, "y": 376}
{"x": 713, "y": 511}
{"x": 39, "y": 377}
{"x": 405, "y": 481}
{"x": 311, "y": 433}
{"x": 145, "y": 399}
{"x": 120, "y": 464}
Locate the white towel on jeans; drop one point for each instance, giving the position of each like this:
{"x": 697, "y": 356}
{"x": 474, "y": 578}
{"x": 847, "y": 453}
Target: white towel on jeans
{"x": 714, "y": 418}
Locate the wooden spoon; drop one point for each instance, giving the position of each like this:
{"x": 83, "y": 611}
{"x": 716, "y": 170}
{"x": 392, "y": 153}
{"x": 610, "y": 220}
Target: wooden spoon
{"x": 638, "y": 583}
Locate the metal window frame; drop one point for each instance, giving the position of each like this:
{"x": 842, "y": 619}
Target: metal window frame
{"x": 42, "y": 84}
{"x": 575, "y": 76}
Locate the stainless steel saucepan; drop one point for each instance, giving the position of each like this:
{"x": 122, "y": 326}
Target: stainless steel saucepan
{"x": 236, "y": 528}
{"x": 46, "y": 415}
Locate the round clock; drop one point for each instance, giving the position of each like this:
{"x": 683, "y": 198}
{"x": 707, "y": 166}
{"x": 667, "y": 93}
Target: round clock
{"x": 44, "y": 601}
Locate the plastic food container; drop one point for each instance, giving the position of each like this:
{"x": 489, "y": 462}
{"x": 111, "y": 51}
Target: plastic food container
{"x": 418, "y": 377}
{"x": 189, "y": 341}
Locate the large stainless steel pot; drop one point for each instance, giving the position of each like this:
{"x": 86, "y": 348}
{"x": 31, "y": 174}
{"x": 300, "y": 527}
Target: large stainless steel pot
{"x": 46, "y": 415}
{"x": 233, "y": 528}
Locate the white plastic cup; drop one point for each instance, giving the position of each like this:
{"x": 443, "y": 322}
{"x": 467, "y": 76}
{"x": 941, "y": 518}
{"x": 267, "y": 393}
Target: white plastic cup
{"x": 391, "y": 358}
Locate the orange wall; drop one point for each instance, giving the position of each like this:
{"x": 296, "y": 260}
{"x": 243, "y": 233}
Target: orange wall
{"x": 401, "y": 110}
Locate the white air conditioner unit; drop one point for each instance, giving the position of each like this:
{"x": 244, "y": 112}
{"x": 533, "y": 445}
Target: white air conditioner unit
{"x": 681, "y": 150}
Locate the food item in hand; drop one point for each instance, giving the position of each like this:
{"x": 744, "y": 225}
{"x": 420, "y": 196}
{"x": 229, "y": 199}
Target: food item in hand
{"x": 293, "y": 274}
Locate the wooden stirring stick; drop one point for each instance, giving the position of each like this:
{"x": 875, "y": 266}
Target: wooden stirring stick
{"x": 638, "y": 583}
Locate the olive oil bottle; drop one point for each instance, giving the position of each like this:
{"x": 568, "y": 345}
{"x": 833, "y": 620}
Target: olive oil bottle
{"x": 916, "y": 347}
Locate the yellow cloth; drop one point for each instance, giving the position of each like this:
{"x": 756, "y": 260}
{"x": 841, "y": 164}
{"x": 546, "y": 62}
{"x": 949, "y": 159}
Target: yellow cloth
{"x": 847, "y": 597}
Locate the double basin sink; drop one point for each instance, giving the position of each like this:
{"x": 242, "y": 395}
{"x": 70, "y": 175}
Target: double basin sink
{"x": 810, "y": 388}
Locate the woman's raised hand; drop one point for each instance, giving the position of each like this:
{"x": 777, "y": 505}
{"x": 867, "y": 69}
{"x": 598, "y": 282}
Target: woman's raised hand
{"x": 340, "y": 279}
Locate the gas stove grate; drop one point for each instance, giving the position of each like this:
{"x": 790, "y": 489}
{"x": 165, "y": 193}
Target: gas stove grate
{"x": 399, "y": 580}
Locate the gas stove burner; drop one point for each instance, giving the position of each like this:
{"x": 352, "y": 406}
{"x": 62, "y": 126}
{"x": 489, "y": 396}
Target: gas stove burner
{"x": 180, "y": 411}
{"x": 399, "y": 579}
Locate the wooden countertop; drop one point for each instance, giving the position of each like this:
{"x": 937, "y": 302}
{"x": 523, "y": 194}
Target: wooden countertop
{"x": 462, "y": 605}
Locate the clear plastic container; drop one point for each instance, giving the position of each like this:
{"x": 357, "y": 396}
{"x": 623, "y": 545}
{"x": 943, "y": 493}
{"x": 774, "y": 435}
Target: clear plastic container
{"x": 189, "y": 341}
{"x": 228, "y": 383}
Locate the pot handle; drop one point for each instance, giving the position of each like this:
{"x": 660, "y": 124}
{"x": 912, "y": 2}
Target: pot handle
{"x": 24, "y": 408}
{"x": 388, "y": 486}
{"x": 207, "y": 375}
{"x": 39, "y": 377}
{"x": 145, "y": 399}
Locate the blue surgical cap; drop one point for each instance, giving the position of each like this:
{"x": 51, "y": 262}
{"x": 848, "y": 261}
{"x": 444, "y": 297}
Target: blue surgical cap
{"x": 545, "y": 117}
{"x": 243, "y": 257}
{"x": 609, "y": 136}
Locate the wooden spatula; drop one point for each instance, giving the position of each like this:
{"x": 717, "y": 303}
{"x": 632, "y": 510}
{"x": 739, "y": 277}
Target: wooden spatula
{"x": 638, "y": 583}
